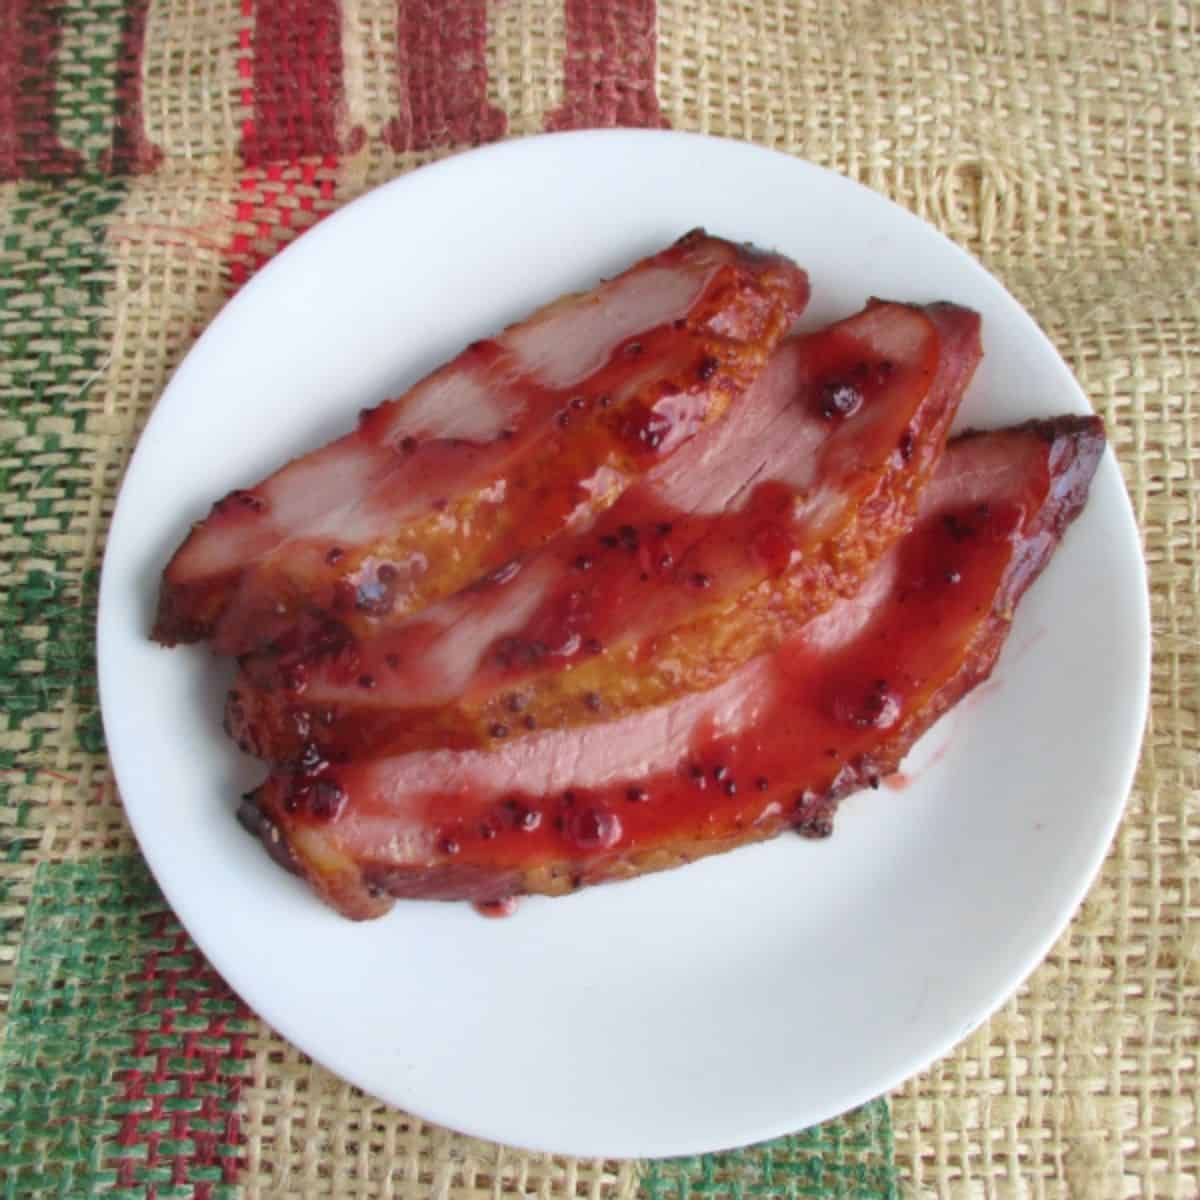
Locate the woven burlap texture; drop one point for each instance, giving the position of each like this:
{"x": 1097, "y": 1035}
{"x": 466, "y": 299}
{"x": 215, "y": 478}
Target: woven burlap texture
{"x": 1058, "y": 142}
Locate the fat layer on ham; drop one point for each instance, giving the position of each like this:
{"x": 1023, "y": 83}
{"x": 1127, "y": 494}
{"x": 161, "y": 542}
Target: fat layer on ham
{"x": 638, "y": 580}
{"x": 777, "y": 745}
{"x": 516, "y": 439}
{"x": 759, "y": 523}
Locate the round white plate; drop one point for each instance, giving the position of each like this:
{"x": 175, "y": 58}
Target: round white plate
{"x": 733, "y": 1000}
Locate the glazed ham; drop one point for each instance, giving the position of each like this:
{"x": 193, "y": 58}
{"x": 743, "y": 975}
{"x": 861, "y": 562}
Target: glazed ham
{"x": 772, "y": 747}
{"x": 520, "y": 437}
{"x": 720, "y": 553}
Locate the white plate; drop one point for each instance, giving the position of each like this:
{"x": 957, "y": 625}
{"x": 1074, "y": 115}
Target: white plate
{"x": 730, "y": 1001}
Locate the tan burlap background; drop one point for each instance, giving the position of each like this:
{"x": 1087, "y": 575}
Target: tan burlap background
{"x": 1058, "y": 142}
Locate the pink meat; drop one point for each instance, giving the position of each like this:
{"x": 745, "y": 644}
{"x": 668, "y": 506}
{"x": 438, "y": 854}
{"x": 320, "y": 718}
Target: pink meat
{"x": 759, "y": 522}
{"x": 775, "y": 746}
{"x": 489, "y": 456}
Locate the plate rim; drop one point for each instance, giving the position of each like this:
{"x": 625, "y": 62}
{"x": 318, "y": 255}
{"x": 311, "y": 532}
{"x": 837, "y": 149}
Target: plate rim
{"x": 228, "y": 966}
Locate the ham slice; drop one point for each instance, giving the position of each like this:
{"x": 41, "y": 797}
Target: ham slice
{"x": 774, "y": 746}
{"x": 519, "y": 437}
{"x": 718, "y": 554}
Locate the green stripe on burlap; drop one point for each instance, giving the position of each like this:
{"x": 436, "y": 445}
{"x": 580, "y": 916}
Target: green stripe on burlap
{"x": 98, "y": 85}
{"x": 125, "y": 1053}
{"x": 55, "y": 339}
{"x": 54, "y": 342}
{"x": 86, "y": 77}
{"x": 849, "y": 1158}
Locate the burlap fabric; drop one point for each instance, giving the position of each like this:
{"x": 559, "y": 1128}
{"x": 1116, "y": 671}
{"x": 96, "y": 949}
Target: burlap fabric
{"x": 153, "y": 153}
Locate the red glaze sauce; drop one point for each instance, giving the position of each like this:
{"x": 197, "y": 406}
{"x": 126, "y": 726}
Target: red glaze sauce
{"x": 653, "y": 390}
{"x": 833, "y": 713}
{"x": 834, "y": 709}
{"x": 642, "y": 557}
{"x": 645, "y": 570}
{"x": 839, "y": 718}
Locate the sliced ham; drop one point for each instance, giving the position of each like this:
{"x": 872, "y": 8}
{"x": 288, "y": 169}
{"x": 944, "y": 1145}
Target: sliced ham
{"x": 516, "y": 439}
{"x": 775, "y": 746}
{"x": 718, "y": 554}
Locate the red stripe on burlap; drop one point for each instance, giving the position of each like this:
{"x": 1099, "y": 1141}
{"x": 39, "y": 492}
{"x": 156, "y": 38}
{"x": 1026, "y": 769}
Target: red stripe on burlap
{"x": 30, "y": 34}
{"x": 609, "y": 66}
{"x": 291, "y": 67}
{"x": 294, "y": 80}
{"x": 274, "y": 205}
{"x": 183, "y": 1095}
{"x": 441, "y": 56}
{"x": 30, "y": 100}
